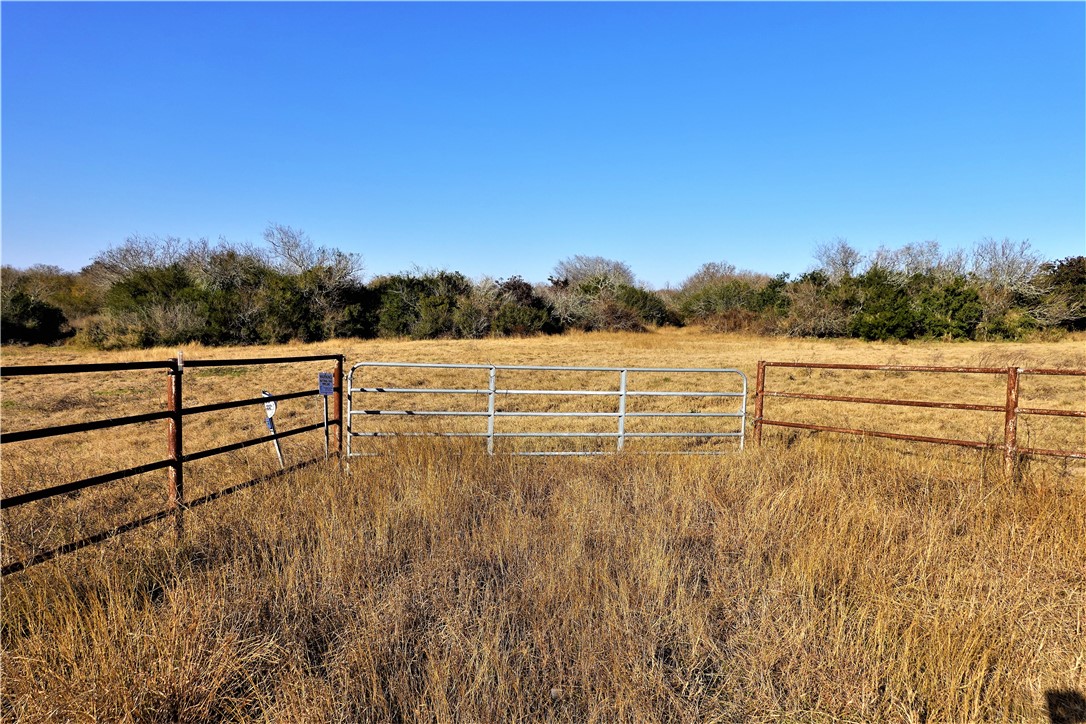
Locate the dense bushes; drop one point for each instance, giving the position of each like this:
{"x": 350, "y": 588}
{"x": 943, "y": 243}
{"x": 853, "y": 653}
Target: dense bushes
{"x": 167, "y": 292}
{"x": 913, "y": 292}
{"x": 726, "y": 300}
{"x": 433, "y": 304}
{"x": 30, "y": 320}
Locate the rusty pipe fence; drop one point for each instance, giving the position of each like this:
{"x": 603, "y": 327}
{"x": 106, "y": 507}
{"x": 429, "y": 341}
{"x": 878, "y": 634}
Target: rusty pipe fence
{"x": 1010, "y": 409}
{"x": 174, "y": 462}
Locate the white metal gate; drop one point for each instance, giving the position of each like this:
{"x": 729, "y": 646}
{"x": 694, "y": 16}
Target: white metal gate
{"x": 505, "y": 404}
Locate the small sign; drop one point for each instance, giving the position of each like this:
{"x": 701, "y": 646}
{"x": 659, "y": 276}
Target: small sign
{"x": 269, "y": 406}
{"x": 325, "y": 383}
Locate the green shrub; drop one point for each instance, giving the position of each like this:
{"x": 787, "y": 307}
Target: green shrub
{"x": 110, "y": 331}
{"x": 361, "y": 313}
{"x": 434, "y": 318}
{"x": 648, "y": 306}
{"x": 287, "y": 311}
{"x": 718, "y": 296}
{"x": 885, "y": 310}
{"x": 152, "y": 285}
{"x": 521, "y": 310}
{"x": 518, "y": 320}
{"x": 471, "y": 320}
{"x": 1064, "y": 300}
{"x": 31, "y": 321}
{"x": 1014, "y": 323}
{"x": 397, "y": 304}
{"x": 950, "y": 310}
{"x": 421, "y": 307}
{"x": 772, "y": 297}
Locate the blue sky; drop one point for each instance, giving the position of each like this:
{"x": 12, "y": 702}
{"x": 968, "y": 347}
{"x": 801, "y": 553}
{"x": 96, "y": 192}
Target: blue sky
{"x": 499, "y": 138}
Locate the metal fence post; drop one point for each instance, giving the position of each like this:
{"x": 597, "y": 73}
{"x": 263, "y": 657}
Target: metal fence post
{"x": 337, "y": 405}
{"x": 1010, "y": 426}
{"x": 175, "y": 442}
{"x": 622, "y": 410}
{"x": 759, "y": 388}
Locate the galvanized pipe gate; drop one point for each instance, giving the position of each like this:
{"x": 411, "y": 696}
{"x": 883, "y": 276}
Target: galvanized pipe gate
{"x": 622, "y": 394}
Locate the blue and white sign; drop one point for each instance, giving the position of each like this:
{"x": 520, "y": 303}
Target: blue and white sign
{"x": 269, "y": 406}
{"x": 325, "y": 383}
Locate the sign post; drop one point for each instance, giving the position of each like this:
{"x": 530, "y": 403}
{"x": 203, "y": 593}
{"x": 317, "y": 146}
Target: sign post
{"x": 269, "y": 410}
{"x": 325, "y": 386}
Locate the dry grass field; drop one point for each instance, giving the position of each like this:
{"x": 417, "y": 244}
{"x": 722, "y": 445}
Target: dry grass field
{"x": 818, "y": 578}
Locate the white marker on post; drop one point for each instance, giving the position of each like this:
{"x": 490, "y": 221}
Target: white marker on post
{"x": 269, "y": 411}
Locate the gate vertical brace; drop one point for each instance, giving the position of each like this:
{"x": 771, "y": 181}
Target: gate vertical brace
{"x": 490, "y": 405}
{"x": 175, "y": 442}
{"x": 743, "y": 415}
{"x": 1010, "y": 425}
{"x": 621, "y": 410}
{"x": 349, "y": 433}
{"x": 759, "y": 389}
{"x": 337, "y": 405}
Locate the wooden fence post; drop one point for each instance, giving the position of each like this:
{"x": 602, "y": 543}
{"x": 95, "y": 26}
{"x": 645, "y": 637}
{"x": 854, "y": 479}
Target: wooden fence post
{"x": 337, "y": 405}
{"x": 1010, "y": 425}
{"x": 175, "y": 444}
{"x": 759, "y": 389}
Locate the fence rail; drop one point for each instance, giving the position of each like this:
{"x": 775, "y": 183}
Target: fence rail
{"x": 176, "y": 458}
{"x": 1011, "y": 408}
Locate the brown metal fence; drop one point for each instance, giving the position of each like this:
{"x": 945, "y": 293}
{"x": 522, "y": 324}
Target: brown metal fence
{"x": 174, "y": 462}
{"x": 1011, "y": 409}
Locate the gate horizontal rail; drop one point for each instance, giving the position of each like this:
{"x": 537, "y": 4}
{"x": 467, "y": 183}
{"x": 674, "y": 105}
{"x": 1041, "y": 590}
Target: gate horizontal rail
{"x": 1011, "y": 408}
{"x": 174, "y": 415}
{"x": 492, "y": 392}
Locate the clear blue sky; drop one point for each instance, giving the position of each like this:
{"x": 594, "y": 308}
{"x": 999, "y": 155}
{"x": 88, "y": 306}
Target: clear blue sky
{"x": 500, "y": 138}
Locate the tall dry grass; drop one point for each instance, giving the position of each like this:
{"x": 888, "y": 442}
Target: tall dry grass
{"x": 816, "y": 579}
{"x": 824, "y": 582}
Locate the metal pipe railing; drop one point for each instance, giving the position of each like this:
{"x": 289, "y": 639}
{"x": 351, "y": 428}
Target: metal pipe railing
{"x": 174, "y": 415}
{"x": 1010, "y": 409}
{"x": 621, "y": 414}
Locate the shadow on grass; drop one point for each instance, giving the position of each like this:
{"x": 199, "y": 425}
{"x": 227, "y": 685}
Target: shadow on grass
{"x": 1066, "y": 706}
{"x": 147, "y": 520}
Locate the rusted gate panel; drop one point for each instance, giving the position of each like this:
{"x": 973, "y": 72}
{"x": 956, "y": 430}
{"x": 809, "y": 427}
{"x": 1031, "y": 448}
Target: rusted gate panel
{"x": 1011, "y": 408}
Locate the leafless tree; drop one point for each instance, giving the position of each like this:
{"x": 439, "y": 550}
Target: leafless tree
{"x": 708, "y": 273}
{"x": 716, "y": 272}
{"x": 925, "y": 257}
{"x": 579, "y": 267}
{"x": 135, "y": 254}
{"x": 838, "y": 258}
{"x": 326, "y": 274}
{"x": 1058, "y": 308}
{"x": 477, "y": 308}
{"x": 569, "y": 307}
{"x": 224, "y": 266}
{"x": 1007, "y": 265}
{"x": 811, "y": 314}
{"x": 295, "y": 253}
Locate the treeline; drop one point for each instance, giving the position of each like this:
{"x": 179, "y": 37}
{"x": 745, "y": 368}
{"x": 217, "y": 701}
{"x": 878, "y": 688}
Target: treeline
{"x": 151, "y": 291}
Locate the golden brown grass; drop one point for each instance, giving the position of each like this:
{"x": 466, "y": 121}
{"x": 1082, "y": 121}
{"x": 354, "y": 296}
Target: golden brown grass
{"x": 812, "y": 580}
